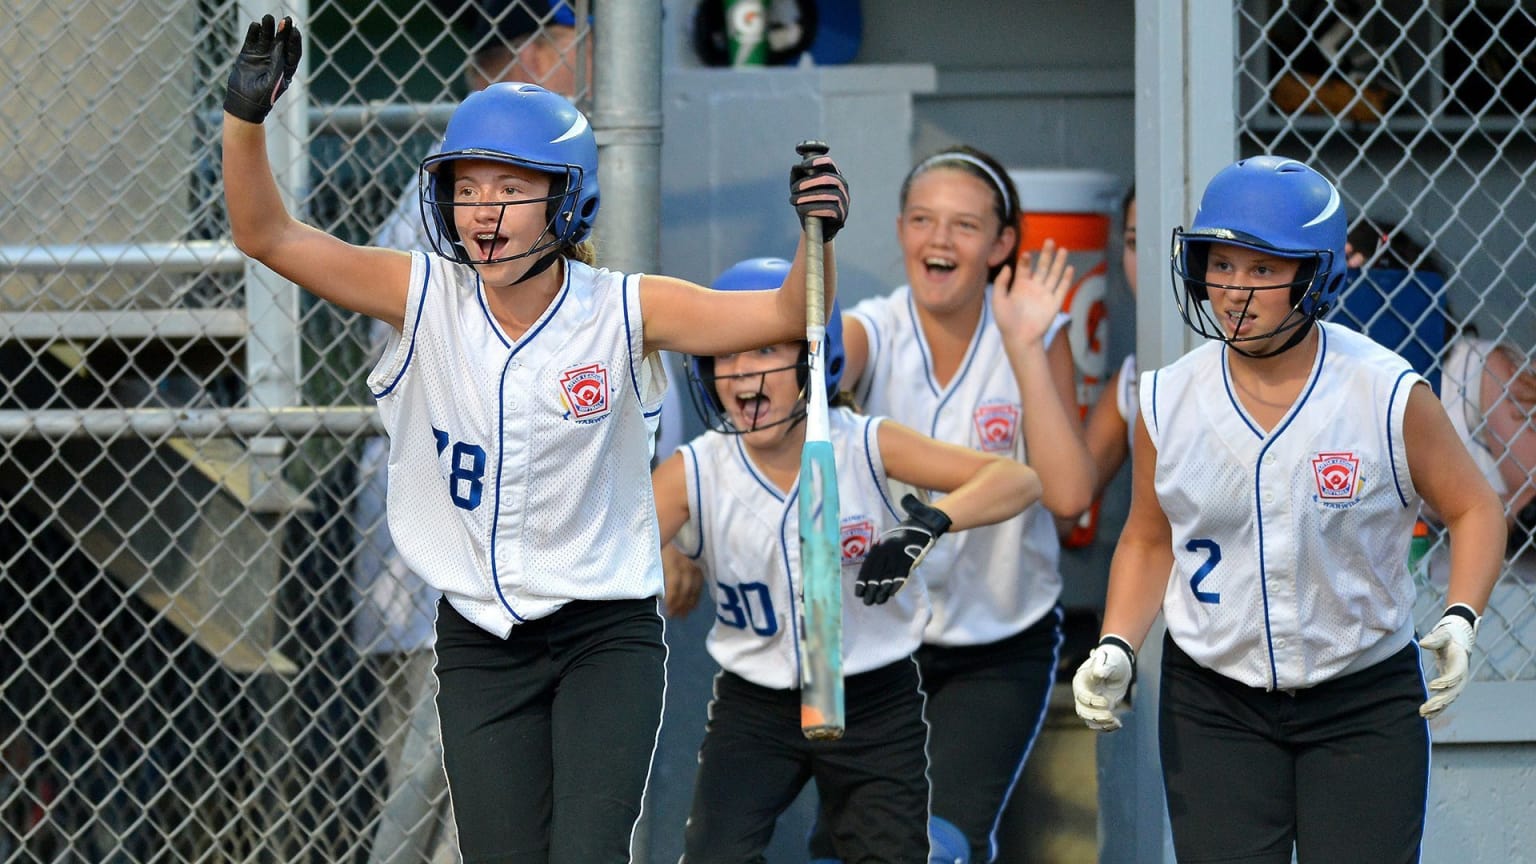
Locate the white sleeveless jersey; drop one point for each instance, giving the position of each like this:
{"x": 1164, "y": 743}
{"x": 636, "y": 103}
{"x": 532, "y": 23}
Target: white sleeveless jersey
{"x": 1461, "y": 384}
{"x": 991, "y": 582}
{"x": 404, "y": 229}
{"x": 1290, "y": 547}
{"x": 745, "y": 534}
{"x": 519, "y": 470}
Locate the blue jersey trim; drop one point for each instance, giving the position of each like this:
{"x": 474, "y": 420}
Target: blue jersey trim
{"x": 965, "y": 367}
{"x": 1258, "y": 506}
{"x": 629, "y": 340}
{"x": 501, "y": 425}
{"x": 698, "y": 499}
{"x": 866, "y": 384}
{"x": 762, "y": 481}
{"x": 485, "y": 309}
{"x": 1242, "y": 413}
{"x": 415, "y": 326}
{"x": 871, "y": 444}
{"x": 1397, "y": 482}
{"x": 922, "y": 345}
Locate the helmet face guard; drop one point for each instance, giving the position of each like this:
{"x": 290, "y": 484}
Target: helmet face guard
{"x": 1272, "y": 205}
{"x": 529, "y": 127}
{"x": 438, "y": 206}
{"x": 761, "y": 274}
{"x": 702, "y": 388}
{"x": 1190, "y": 255}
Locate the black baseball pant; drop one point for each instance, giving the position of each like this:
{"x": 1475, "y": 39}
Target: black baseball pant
{"x": 1339, "y": 771}
{"x": 548, "y": 735}
{"x": 755, "y": 760}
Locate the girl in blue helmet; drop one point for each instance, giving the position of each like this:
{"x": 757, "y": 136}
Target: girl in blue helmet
{"x": 515, "y": 393}
{"x": 1278, "y": 471}
{"x": 729, "y": 499}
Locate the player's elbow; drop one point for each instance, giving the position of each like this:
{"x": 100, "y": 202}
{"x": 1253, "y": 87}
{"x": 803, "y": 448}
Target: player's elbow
{"x": 1069, "y": 500}
{"x": 1069, "y": 508}
{"x": 1030, "y": 489}
{"x": 248, "y": 242}
{"x": 255, "y": 238}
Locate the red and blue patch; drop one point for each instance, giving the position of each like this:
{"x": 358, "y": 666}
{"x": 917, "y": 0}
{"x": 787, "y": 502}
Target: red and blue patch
{"x": 585, "y": 392}
{"x": 997, "y": 426}
{"x": 1338, "y": 478}
{"x": 858, "y": 539}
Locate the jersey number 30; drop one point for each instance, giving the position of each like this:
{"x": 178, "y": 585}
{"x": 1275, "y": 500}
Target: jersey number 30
{"x": 746, "y": 605}
{"x": 466, "y": 470}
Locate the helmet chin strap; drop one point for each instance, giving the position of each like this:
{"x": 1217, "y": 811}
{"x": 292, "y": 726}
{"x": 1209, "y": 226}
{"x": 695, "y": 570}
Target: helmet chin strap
{"x": 539, "y": 266}
{"x": 1298, "y": 333}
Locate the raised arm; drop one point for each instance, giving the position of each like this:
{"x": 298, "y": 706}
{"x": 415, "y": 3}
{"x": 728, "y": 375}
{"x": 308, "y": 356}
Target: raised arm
{"x": 1025, "y": 301}
{"x": 366, "y": 280}
{"x": 690, "y": 319}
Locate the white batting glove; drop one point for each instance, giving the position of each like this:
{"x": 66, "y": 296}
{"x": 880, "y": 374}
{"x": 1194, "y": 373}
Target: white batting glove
{"x": 1102, "y": 681}
{"x": 1451, "y": 641}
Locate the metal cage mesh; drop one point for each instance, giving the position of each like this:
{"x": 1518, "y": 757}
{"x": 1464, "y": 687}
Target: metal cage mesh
{"x": 1424, "y": 114}
{"x": 184, "y": 675}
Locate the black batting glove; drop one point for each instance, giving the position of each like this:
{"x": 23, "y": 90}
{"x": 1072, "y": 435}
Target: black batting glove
{"x": 264, "y": 68}
{"x": 900, "y": 550}
{"x": 817, "y": 188}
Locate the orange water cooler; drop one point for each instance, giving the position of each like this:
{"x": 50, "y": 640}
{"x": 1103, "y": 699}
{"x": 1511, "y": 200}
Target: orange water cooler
{"x": 1075, "y": 208}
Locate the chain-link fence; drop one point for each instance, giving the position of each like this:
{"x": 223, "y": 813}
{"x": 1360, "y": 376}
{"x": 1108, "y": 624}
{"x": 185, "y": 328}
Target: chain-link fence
{"x": 1425, "y": 115}
{"x": 187, "y": 666}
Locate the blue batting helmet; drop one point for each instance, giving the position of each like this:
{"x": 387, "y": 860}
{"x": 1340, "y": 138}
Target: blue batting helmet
{"x": 761, "y": 274}
{"x": 527, "y": 126}
{"x": 1269, "y": 204}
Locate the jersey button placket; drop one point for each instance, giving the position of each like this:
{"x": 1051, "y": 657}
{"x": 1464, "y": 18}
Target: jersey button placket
{"x": 511, "y": 492}
{"x": 1281, "y": 566}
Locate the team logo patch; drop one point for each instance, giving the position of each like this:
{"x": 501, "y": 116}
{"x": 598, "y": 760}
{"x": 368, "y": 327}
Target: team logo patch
{"x": 858, "y": 537}
{"x": 584, "y": 390}
{"x": 997, "y": 426}
{"x": 1338, "y": 478}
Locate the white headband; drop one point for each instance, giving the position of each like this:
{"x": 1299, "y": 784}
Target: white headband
{"x": 937, "y": 158}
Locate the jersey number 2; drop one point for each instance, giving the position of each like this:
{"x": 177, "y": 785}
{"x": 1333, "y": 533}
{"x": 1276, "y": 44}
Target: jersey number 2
{"x": 1213, "y": 557}
{"x": 466, "y": 470}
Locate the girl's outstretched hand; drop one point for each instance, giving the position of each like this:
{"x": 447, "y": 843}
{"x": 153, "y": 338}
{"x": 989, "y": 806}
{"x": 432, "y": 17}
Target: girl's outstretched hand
{"x": 1026, "y": 298}
{"x": 266, "y": 65}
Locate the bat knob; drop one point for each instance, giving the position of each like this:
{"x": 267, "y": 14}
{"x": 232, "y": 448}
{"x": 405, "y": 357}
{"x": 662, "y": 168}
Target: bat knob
{"x": 811, "y": 149}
